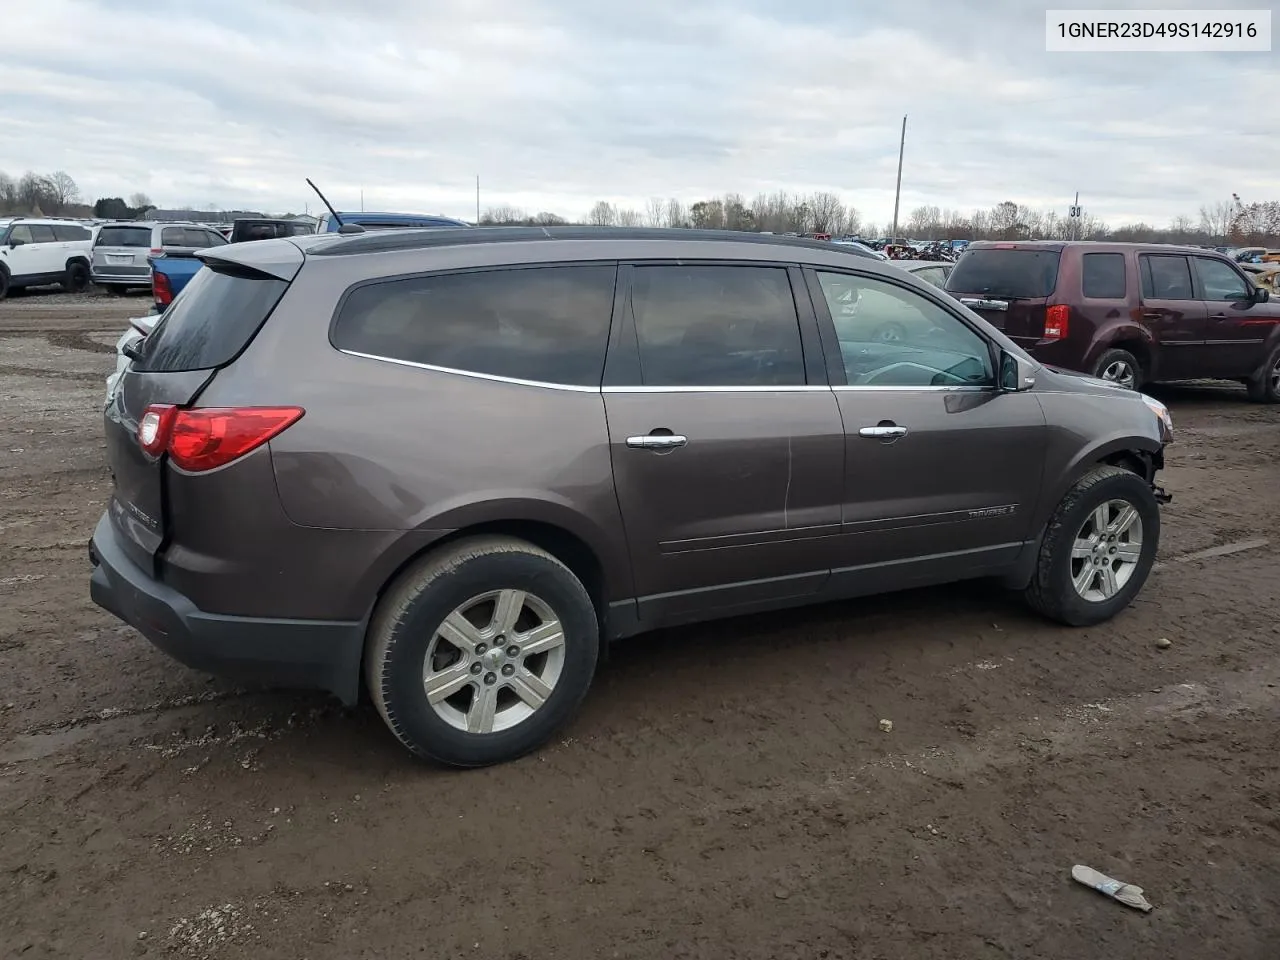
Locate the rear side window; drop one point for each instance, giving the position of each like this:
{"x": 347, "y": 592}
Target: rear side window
{"x": 210, "y": 321}
{"x": 716, "y": 326}
{"x": 179, "y": 237}
{"x": 70, "y": 232}
{"x": 1103, "y": 276}
{"x": 1027, "y": 274}
{"x": 1166, "y": 278}
{"x": 548, "y": 324}
{"x": 124, "y": 237}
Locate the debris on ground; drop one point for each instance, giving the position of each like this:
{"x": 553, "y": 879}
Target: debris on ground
{"x": 886, "y": 726}
{"x": 1164, "y": 643}
{"x": 1126, "y": 893}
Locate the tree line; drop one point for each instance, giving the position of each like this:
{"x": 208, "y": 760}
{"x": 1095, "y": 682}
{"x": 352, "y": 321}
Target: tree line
{"x": 1224, "y": 222}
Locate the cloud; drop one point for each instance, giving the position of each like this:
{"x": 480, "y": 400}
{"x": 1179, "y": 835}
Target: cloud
{"x": 558, "y": 103}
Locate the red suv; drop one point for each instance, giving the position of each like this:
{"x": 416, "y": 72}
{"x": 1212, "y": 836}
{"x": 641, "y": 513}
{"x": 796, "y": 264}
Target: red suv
{"x": 1130, "y": 313}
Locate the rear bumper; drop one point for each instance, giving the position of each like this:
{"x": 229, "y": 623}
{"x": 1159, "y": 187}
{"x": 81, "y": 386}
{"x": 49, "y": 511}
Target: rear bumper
{"x": 140, "y": 278}
{"x": 313, "y": 654}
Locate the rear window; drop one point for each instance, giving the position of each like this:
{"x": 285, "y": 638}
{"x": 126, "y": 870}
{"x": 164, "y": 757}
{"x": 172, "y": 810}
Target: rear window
{"x": 548, "y": 324}
{"x": 1103, "y": 276}
{"x": 1006, "y": 273}
{"x": 210, "y": 321}
{"x": 124, "y": 237}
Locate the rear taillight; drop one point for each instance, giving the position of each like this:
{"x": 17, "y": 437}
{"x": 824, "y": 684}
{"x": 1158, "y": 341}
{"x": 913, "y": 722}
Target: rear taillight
{"x": 157, "y": 251}
{"x": 161, "y": 289}
{"x": 1056, "y": 322}
{"x": 207, "y": 437}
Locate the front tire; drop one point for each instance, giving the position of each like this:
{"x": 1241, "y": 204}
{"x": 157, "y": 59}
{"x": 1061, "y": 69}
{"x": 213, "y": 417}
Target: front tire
{"x": 1097, "y": 550}
{"x": 1264, "y": 386}
{"x": 1119, "y": 367}
{"x": 480, "y": 653}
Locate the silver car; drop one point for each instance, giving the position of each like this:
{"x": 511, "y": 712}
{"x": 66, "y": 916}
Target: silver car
{"x": 120, "y": 250}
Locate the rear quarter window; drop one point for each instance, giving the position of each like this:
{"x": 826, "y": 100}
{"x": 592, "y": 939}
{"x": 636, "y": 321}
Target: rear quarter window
{"x": 546, "y": 324}
{"x": 70, "y": 232}
{"x": 1027, "y": 274}
{"x": 211, "y": 321}
{"x": 1103, "y": 276}
{"x": 124, "y": 237}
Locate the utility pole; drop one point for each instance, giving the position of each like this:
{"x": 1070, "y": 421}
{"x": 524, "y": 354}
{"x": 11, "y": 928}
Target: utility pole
{"x": 362, "y": 199}
{"x": 477, "y": 198}
{"x": 897, "y": 191}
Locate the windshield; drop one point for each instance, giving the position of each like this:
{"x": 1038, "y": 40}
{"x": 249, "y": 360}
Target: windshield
{"x": 1015, "y": 274}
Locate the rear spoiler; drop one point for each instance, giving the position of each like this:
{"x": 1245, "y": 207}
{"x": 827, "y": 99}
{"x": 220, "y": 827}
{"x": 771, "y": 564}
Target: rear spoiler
{"x": 276, "y": 258}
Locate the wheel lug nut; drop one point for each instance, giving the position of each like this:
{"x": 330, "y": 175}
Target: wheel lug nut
{"x": 508, "y": 669}
{"x": 481, "y": 648}
{"x": 476, "y": 668}
{"x": 513, "y": 651}
{"x": 490, "y": 679}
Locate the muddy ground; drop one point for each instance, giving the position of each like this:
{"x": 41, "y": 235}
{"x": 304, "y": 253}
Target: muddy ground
{"x": 726, "y": 791}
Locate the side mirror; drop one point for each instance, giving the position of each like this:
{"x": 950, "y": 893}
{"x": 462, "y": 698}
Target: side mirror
{"x": 1016, "y": 373}
{"x": 1261, "y": 294}
{"x": 15, "y": 242}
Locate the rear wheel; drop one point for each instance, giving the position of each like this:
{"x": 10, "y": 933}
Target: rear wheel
{"x": 1119, "y": 367}
{"x": 1098, "y": 548}
{"x": 76, "y": 279}
{"x": 480, "y": 653}
{"x": 1264, "y": 386}
{"x": 4, "y": 283}
{"x": 117, "y": 291}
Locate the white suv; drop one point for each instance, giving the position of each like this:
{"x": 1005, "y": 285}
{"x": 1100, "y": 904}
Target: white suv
{"x": 35, "y": 252}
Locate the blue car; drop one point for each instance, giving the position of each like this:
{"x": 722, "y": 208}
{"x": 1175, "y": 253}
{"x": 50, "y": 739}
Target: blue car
{"x": 388, "y": 221}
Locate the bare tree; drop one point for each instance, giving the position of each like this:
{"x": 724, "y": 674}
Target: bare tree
{"x": 826, "y": 212}
{"x": 676, "y": 215}
{"x": 707, "y": 215}
{"x": 603, "y": 214}
{"x": 8, "y": 194}
{"x": 627, "y": 217}
{"x": 546, "y": 219}
{"x": 1215, "y": 219}
{"x": 925, "y": 222}
{"x": 35, "y": 194}
{"x": 140, "y": 201}
{"x": 504, "y": 215}
{"x": 655, "y": 212}
{"x": 64, "y": 192}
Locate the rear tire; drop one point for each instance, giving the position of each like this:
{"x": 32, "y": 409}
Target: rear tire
{"x": 117, "y": 291}
{"x": 1264, "y": 386}
{"x": 4, "y": 283}
{"x": 1120, "y": 367}
{"x": 1070, "y": 583}
{"x": 487, "y": 676}
{"x": 76, "y": 279}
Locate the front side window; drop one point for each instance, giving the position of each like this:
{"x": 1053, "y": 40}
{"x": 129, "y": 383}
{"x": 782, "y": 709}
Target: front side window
{"x": 1166, "y": 278}
{"x": 546, "y": 324}
{"x": 1219, "y": 281}
{"x": 22, "y": 233}
{"x": 716, "y": 326}
{"x": 891, "y": 336}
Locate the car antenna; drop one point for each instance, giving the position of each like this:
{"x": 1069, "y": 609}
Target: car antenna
{"x": 343, "y": 228}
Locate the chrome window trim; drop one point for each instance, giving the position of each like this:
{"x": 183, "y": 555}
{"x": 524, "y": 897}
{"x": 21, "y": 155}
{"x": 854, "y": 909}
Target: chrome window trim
{"x": 497, "y": 378}
{"x": 798, "y": 388}
{"x": 929, "y": 388}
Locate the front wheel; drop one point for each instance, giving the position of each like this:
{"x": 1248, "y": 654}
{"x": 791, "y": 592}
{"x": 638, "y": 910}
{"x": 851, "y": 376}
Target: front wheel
{"x": 481, "y": 652}
{"x": 1264, "y": 386}
{"x": 1098, "y": 548}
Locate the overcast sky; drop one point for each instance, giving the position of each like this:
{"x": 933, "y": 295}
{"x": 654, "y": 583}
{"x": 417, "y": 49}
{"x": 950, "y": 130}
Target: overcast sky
{"x": 558, "y": 103}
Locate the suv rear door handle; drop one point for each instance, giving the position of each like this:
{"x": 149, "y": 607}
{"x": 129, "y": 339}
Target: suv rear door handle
{"x": 1152, "y": 315}
{"x": 657, "y": 441}
{"x": 883, "y": 432}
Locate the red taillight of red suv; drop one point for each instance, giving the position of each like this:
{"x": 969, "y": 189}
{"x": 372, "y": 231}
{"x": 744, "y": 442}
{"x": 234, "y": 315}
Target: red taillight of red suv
{"x": 208, "y": 437}
{"x": 161, "y": 289}
{"x": 1056, "y": 322}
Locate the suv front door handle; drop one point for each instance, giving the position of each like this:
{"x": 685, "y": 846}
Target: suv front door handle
{"x": 657, "y": 441}
{"x": 883, "y": 432}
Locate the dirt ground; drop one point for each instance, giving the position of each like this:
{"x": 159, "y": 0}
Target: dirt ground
{"x": 726, "y": 792}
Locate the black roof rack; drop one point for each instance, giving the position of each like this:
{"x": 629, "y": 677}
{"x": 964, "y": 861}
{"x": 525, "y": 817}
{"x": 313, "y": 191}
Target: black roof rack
{"x": 392, "y": 240}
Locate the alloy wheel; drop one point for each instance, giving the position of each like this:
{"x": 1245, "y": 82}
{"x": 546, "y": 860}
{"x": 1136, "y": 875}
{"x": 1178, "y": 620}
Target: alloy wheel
{"x": 1106, "y": 550}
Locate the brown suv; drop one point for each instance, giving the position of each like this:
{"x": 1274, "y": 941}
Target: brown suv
{"x": 1127, "y": 312}
{"x": 455, "y": 464}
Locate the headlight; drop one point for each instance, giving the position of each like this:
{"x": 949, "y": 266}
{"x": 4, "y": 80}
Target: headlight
{"x": 1162, "y": 414}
